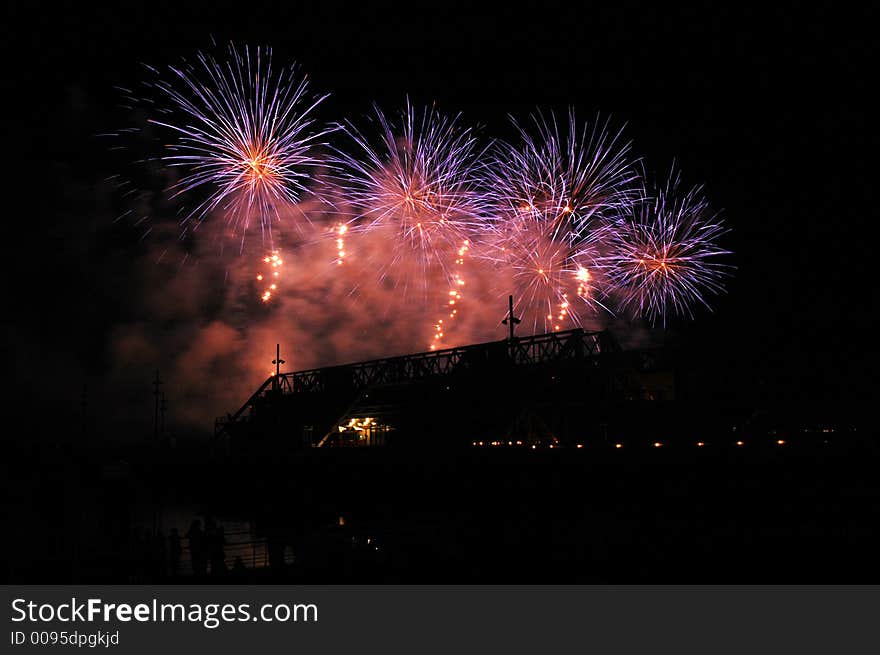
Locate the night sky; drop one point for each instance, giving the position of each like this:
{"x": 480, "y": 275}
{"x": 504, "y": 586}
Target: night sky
{"x": 766, "y": 107}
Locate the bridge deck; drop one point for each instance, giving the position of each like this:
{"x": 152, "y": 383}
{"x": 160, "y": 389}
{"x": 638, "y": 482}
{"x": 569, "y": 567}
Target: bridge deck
{"x": 543, "y": 348}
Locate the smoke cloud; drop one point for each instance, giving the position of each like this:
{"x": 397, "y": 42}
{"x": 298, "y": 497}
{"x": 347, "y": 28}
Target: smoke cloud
{"x": 202, "y": 316}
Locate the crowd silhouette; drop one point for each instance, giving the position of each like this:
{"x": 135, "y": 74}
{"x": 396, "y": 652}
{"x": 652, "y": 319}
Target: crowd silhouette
{"x": 207, "y": 547}
{"x": 200, "y": 552}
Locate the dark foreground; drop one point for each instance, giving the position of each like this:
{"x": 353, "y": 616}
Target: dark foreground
{"x": 754, "y": 514}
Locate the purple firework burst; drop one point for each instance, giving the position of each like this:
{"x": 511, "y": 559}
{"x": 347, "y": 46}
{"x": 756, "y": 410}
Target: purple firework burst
{"x": 242, "y": 131}
{"x": 419, "y": 181}
{"x": 664, "y": 256}
{"x": 554, "y": 195}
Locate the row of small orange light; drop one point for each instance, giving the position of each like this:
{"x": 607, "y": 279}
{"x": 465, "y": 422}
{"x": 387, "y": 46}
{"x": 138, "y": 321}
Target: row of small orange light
{"x": 655, "y": 444}
{"x": 514, "y": 443}
{"x": 701, "y": 444}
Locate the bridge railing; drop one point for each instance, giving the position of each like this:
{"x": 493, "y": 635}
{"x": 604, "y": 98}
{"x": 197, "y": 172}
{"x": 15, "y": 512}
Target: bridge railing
{"x": 555, "y": 346}
{"x": 552, "y": 347}
{"x": 253, "y": 551}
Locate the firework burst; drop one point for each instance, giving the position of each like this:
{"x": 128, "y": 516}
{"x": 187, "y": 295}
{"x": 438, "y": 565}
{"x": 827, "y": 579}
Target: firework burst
{"x": 555, "y": 194}
{"x": 418, "y": 185}
{"x": 426, "y": 222}
{"x": 242, "y": 132}
{"x": 420, "y": 179}
{"x": 663, "y": 256}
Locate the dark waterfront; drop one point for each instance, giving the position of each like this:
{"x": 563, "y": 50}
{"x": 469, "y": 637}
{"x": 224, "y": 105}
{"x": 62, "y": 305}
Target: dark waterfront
{"x": 803, "y": 511}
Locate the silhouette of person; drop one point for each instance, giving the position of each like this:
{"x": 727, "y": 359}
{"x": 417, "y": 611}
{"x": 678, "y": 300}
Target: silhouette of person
{"x": 276, "y": 553}
{"x": 239, "y": 570}
{"x": 210, "y": 530}
{"x": 147, "y": 555}
{"x": 160, "y": 555}
{"x": 218, "y": 553}
{"x": 197, "y": 553}
{"x": 174, "y": 551}
{"x": 138, "y": 554}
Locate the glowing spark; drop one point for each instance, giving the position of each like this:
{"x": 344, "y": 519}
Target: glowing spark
{"x": 275, "y": 262}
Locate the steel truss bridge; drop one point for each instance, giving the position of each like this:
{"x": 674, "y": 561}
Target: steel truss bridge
{"x": 554, "y": 347}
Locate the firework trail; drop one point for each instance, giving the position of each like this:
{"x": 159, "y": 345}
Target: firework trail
{"x": 339, "y": 231}
{"x": 270, "y": 278}
{"x": 242, "y": 132}
{"x": 555, "y": 194}
{"x": 663, "y": 256}
{"x": 418, "y": 186}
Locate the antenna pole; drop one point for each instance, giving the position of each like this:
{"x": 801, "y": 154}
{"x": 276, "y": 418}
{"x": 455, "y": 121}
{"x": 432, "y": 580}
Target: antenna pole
{"x": 511, "y": 320}
{"x": 278, "y": 362}
{"x": 157, "y": 382}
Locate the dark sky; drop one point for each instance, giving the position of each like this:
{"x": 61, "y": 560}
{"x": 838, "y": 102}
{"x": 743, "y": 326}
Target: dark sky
{"x": 765, "y": 106}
